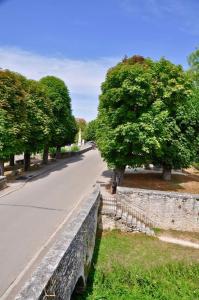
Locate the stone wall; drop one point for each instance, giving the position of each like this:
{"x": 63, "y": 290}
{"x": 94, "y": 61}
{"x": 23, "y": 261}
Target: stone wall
{"x": 66, "y": 266}
{"x": 167, "y": 210}
{"x": 73, "y": 153}
{"x": 3, "y": 183}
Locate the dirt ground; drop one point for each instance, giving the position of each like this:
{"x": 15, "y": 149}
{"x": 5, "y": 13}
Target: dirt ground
{"x": 188, "y": 182}
{"x": 185, "y": 235}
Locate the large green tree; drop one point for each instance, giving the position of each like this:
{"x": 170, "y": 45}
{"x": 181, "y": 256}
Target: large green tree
{"x": 40, "y": 116}
{"x": 144, "y": 116}
{"x": 13, "y": 115}
{"x": 64, "y": 125}
{"x": 193, "y": 71}
{"x": 90, "y": 131}
{"x": 193, "y": 61}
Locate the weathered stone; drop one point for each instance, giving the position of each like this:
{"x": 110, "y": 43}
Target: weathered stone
{"x": 167, "y": 210}
{"x": 67, "y": 263}
{"x": 3, "y": 182}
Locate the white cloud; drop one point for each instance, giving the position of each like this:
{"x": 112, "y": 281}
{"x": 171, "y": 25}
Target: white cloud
{"x": 83, "y": 77}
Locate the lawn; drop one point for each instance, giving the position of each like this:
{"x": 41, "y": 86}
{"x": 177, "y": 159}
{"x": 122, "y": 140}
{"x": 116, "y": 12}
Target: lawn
{"x": 130, "y": 266}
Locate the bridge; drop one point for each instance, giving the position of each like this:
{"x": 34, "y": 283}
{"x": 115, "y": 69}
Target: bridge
{"x": 64, "y": 270}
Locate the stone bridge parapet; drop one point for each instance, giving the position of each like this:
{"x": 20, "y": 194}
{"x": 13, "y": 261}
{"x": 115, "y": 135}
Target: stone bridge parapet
{"x": 65, "y": 268}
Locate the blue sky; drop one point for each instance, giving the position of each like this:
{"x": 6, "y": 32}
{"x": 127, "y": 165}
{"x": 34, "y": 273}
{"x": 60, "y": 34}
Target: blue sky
{"x": 79, "y": 40}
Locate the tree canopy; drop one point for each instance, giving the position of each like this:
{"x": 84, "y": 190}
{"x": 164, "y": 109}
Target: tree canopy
{"x": 90, "y": 132}
{"x": 81, "y": 125}
{"x": 193, "y": 61}
{"x": 33, "y": 115}
{"x": 64, "y": 126}
{"x": 13, "y": 115}
{"x": 144, "y": 115}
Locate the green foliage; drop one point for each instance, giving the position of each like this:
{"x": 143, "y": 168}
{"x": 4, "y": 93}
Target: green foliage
{"x": 64, "y": 125}
{"x": 196, "y": 165}
{"x": 13, "y": 115}
{"x": 74, "y": 148}
{"x": 52, "y": 151}
{"x": 137, "y": 267}
{"x": 145, "y": 116}
{"x": 193, "y": 61}
{"x": 40, "y": 116}
{"x": 90, "y": 132}
{"x": 81, "y": 124}
{"x": 33, "y": 115}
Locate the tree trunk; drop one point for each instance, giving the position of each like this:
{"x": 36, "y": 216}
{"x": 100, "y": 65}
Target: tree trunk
{"x": 118, "y": 175}
{"x": 58, "y": 152}
{"x": 114, "y": 183}
{"x": 12, "y": 160}
{"x": 45, "y": 155}
{"x": 166, "y": 173}
{"x": 26, "y": 161}
{"x": 147, "y": 167}
{"x": 1, "y": 167}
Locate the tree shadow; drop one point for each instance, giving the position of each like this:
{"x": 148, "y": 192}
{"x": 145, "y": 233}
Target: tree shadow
{"x": 61, "y": 164}
{"x": 107, "y": 173}
{"x": 154, "y": 181}
{"x": 45, "y": 170}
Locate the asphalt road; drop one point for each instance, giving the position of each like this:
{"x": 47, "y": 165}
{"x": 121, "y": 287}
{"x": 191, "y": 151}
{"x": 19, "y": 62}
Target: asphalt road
{"x": 29, "y": 216}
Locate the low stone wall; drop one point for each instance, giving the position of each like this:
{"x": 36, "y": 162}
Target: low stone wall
{"x": 3, "y": 182}
{"x": 66, "y": 266}
{"x": 167, "y": 210}
{"x": 73, "y": 153}
{"x": 84, "y": 150}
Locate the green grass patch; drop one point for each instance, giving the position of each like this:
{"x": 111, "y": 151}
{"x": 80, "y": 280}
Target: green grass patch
{"x": 138, "y": 267}
{"x": 65, "y": 149}
{"x": 196, "y": 165}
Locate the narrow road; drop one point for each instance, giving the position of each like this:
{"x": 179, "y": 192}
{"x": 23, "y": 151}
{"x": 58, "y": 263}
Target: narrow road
{"x": 29, "y": 216}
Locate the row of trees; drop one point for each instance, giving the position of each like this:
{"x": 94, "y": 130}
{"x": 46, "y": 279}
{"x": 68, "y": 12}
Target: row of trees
{"x": 34, "y": 115}
{"x": 88, "y": 130}
{"x": 149, "y": 113}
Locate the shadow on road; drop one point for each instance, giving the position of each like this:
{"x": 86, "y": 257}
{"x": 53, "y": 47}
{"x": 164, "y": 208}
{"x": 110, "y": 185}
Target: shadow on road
{"x": 55, "y": 166}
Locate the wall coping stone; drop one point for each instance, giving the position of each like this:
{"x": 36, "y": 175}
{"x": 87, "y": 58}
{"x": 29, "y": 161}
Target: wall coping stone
{"x": 44, "y": 272}
{"x": 127, "y": 190}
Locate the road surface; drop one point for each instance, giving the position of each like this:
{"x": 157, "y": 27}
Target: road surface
{"x": 29, "y": 216}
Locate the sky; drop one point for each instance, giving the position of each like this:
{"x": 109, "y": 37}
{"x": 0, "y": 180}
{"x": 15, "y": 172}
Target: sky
{"x": 79, "y": 40}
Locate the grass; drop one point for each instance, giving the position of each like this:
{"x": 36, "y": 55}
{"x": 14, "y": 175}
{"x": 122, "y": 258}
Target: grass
{"x": 137, "y": 267}
{"x": 65, "y": 149}
{"x": 196, "y": 165}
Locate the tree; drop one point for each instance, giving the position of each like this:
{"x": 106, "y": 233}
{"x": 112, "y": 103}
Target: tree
{"x": 144, "y": 117}
{"x": 81, "y": 125}
{"x": 175, "y": 117}
{"x": 13, "y": 117}
{"x": 39, "y": 127}
{"x": 90, "y": 132}
{"x": 64, "y": 126}
{"x": 193, "y": 61}
{"x": 126, "y": 95}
